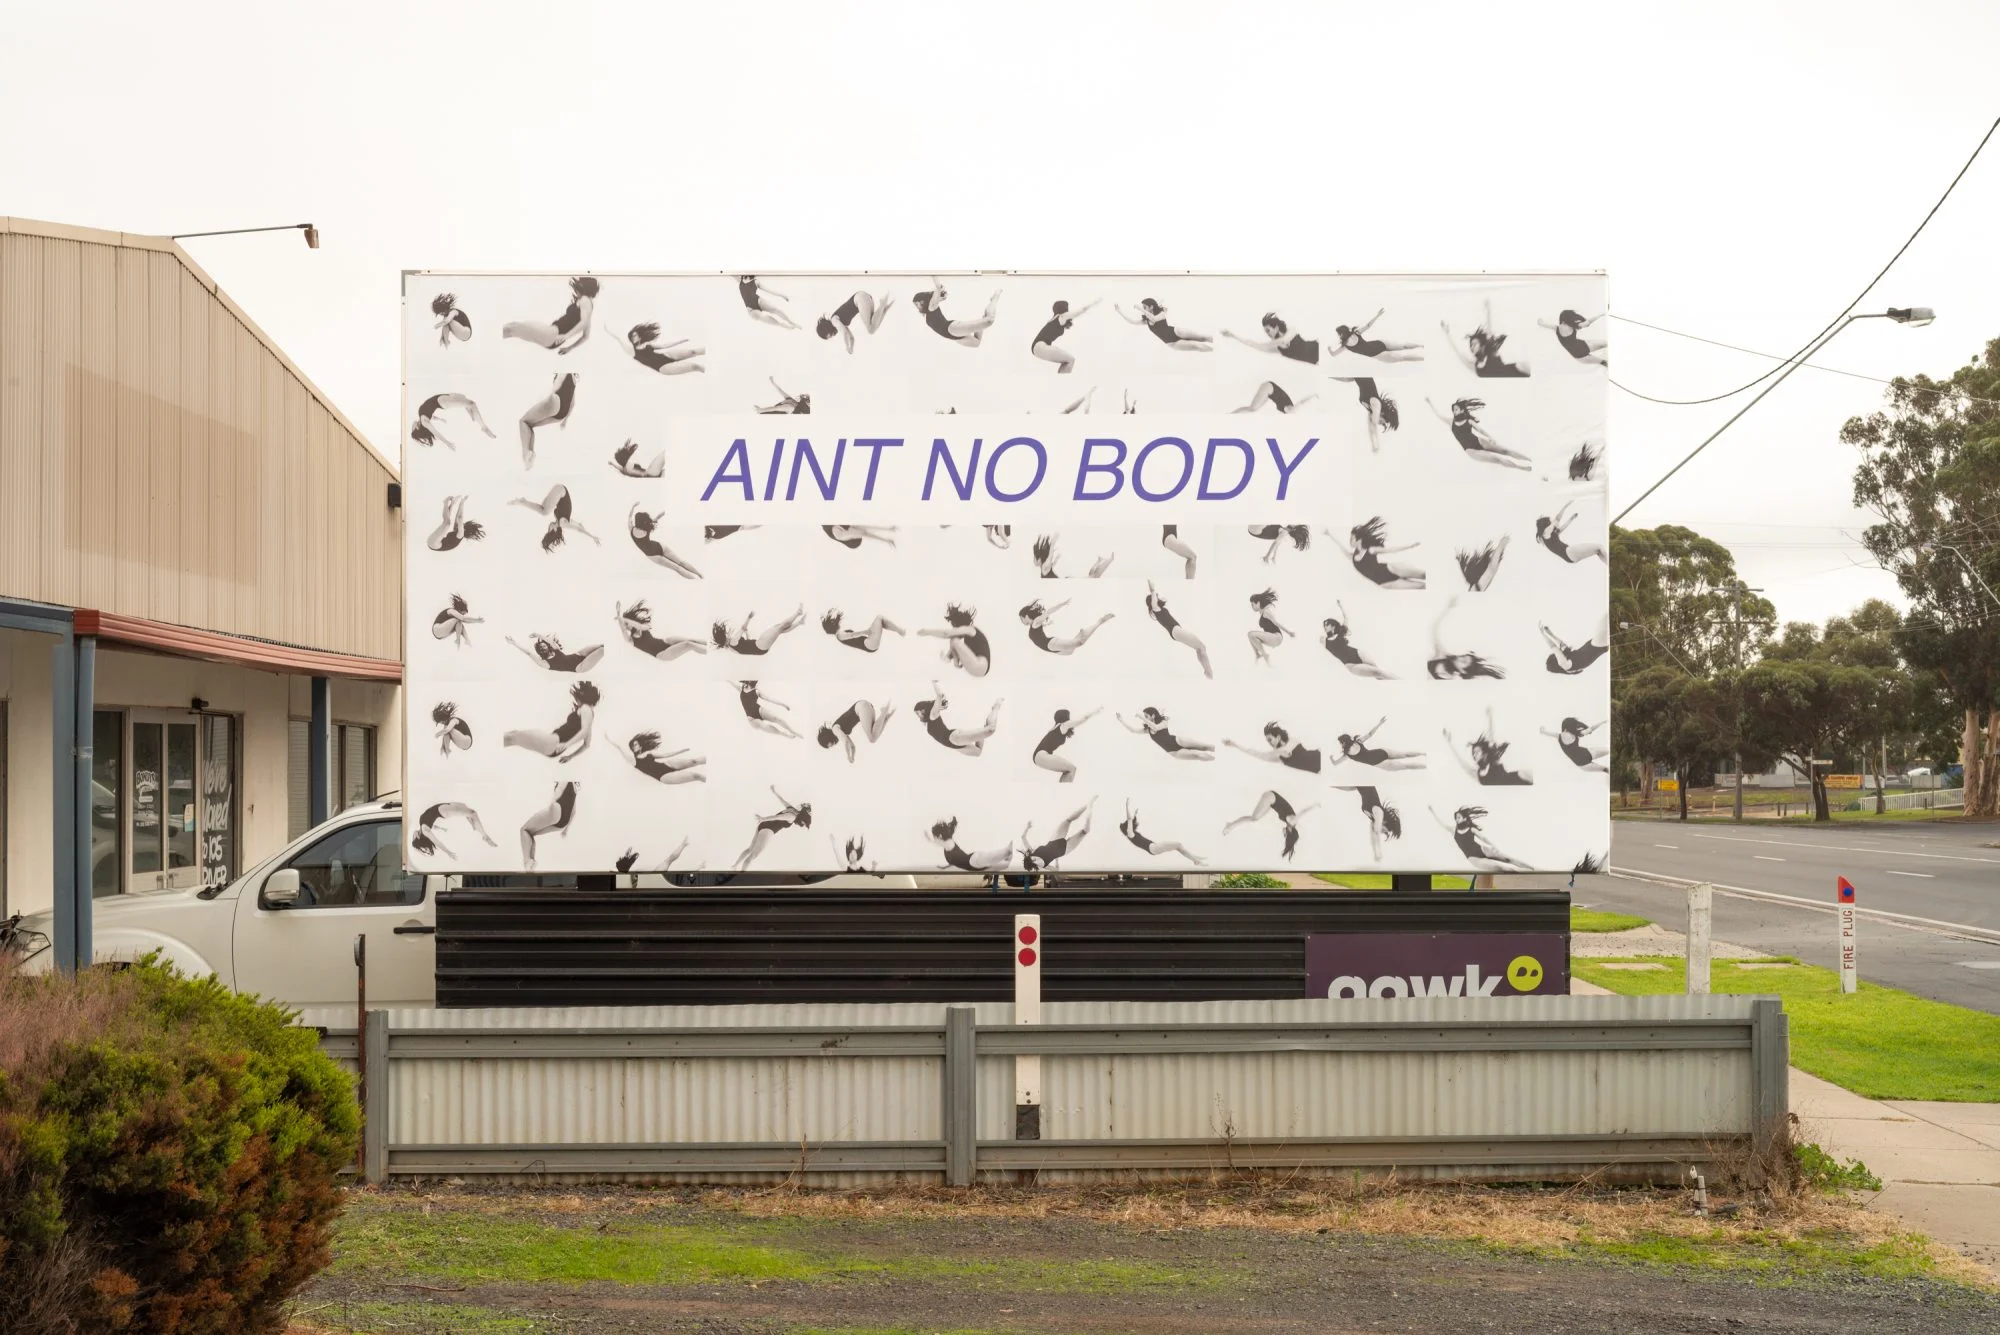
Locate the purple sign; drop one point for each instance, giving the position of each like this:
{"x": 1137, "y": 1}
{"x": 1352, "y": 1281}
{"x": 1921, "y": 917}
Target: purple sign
{"x": 1437, "y": 964}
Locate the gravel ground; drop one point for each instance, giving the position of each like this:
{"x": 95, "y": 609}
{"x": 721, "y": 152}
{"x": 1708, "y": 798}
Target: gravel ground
{"x": 1651, "y": 939}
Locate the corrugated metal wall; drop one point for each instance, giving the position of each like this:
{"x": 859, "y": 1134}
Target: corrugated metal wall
{"x": 160, "y": 459}
{"x": 1219, "y": 1097}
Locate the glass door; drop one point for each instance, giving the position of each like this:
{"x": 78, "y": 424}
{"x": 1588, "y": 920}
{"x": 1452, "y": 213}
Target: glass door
{"x": 163, "y": 802}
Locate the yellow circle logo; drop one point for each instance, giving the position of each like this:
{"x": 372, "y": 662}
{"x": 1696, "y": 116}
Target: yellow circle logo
{"x": 1524, "y": 973}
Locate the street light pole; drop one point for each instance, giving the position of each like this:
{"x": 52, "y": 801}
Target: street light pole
{"x": 312, "y": 232}
{"x": 1909, "y": 315}
{"x": 1738, "y": 627}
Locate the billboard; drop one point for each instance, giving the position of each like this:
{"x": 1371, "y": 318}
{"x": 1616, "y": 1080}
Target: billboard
{"x": 1436, "y": 964}
{"x": 1083, "y": 572}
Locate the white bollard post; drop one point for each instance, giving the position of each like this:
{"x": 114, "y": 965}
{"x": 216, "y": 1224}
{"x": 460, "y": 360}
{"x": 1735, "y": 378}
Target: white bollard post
{"x": 1701, "y": 921}
{"x": 1850, "y": 977}
{"x": 1028, "y": 1010}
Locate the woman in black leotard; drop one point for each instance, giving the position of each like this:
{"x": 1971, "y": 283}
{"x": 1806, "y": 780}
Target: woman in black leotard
{"x": 453, "y": 732}
{"x": 642, "y": 528}
{"x": 1280, "y": 749}
{"x": 1482, "y": 356}
{"x": 717, "y": 532}
{"x": 868, "y": 719}
{"x": 755, "y": 646}
{"x": 1279, "y": 338}
{"x": 1384, "y": 821}
{"x": 1129, "y": 827}
{"x": 1569, "y": 661}
{"x": 1271, "y": 392}
{"x": 568, "y": 739}
{"x": 965, "y": 741}
{"x": 426, "y": 430}
{"x": 1036, "y": 618}
{"x": 560, "y": 511}
{"x": 1045, "y": 756}
{"x": 944, "y": 834}
{"x": 851, "y": 536}
{"x": 1272, "y": 803}
{"x": 791, "y": 815}
{"x": 452, "y": 323}
{"x": 1368, "y": 543}
{"x": 1154, "y": 317}
{"x": 551, "y": 819}
{"x": 625, "y": 460}
{"x": 1044, "y": 857}
{"x": 450, "y": 624}
{"x": 548, "y": 651}
{"x": 425, "y": 839}
{"x": 1568, "y": 329}
{"x": 1383, "y": 414}
{"x": 1357, "y": 750}
{"x": 762, "y": 301}
{"x": 1156, "y": 607}
{"x": 628, "y": 861}
{"x": 635, "y": 623}
{"x": 1333, "y": 635}
{"x": 555, "y": 406}
{"x": 787, "y": 404}
{"x": 1061, "y": 317}
{"x": 1171, "y": 539}
{"x": 1453, "y": 664}
{"x": 1485, "y": 759}
{"x": 1356, "y": 341}
{"x": 455, "y": 528}
{"x": 642, "y": 344}
{"x": 869, "y": 310}
{"x": 756, "y": 707}
{"x": 1153, "y": 724}
{"x": 867, "y": 641}
{"x": 643, "y": 753}
{"x": 853, "y": 852}
{"x": 569, "y": 330}
{"x": 1549, "y": 532}
{"x": 1045, "y": 559}
{"x": 1480, "y": 564}
{"x": 1480, "y": 853}
{"x": 966, "y": 645}
{"x": 1300, "y": 536}
{"x": 1474, "y": 439}
{"x": 1569, "y": 737}
{"x": 1583, "y": 464}
{"x": 966, "y": 333}
{"x": 1269, "y": 632}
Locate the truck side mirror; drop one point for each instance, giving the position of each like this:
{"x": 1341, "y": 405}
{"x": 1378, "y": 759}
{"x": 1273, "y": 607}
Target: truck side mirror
{"x": 281, "y": 889}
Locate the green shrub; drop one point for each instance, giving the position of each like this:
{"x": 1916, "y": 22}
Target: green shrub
{"x": 1819, "y": 1169}
{"x": 1248, "y": 880}
{"x": 168, "y": 1152}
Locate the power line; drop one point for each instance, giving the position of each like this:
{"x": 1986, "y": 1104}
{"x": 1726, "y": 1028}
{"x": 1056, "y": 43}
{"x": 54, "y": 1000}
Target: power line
{"x": 1809, "y": 343}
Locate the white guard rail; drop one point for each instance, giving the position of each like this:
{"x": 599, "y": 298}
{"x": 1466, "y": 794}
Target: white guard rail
{"x": 1544, "y": 1088}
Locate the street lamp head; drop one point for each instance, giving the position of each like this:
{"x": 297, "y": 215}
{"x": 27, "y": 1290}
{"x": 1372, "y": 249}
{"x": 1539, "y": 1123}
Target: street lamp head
{"x": 312, "y": 243}
{"x": 1914, "y": 316}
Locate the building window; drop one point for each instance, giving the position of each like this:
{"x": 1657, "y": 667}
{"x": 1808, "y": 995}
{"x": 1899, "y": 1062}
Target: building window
{"x": 353, "y": 778}
{"x": 107, "y": 826}
{"x": 218, "y": 800}
{"x": 355, "y": 764}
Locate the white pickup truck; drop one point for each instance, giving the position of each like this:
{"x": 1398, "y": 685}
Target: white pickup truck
{"x": 285, "y": 929}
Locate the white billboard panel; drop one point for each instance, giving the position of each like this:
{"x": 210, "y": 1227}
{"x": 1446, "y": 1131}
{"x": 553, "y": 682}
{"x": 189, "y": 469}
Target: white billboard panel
{"x": 1100, "y": 572}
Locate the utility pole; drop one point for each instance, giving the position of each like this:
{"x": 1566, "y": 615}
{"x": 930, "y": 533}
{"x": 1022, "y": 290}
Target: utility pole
{"x": 1740, "y": 591}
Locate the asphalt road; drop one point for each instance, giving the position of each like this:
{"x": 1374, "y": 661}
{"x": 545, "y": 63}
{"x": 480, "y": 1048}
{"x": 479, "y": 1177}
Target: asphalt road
{"x": 1948, "y": 873}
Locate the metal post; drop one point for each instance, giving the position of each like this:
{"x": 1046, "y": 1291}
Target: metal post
{"x": 1701, "y": 921}
{"x": 1770, "y": 1083}
{"x": 319, "y": 753}
{"x": 960, "y": 1111}
{"x": 374, "y": 1034}
{"x": 361, "y": 1045}
{"x": 83, "y": 752}
{"x": 1844, "y": 917}
{"x": 1406, "y": 883}
{"x": 62, "y": 778}
{"x": 1028, "y": 1010}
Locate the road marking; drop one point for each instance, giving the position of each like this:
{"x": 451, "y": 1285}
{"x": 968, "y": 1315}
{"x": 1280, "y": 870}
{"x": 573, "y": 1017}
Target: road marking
{"x": 1763, "y": 858}
{"x": 1979, "y": 964}
{"x": 1966, "y": 930}
{"x": 1675, "y": 847}
{"x": 1920, "y": 875}
{"x": 1839, "y": 848}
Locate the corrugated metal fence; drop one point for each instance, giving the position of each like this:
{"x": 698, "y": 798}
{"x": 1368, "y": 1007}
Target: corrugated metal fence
{"x": 1528, "y": 1087}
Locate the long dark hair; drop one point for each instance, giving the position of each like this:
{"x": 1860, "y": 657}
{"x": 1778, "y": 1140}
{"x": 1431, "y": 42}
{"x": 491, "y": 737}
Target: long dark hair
{"x": 1275, "y": 326}
{"x": 1275, "y": 734}
{"x": 1392, "y": 416}
{"x": 1262, "y": 601}
{"x": 1571, "y": 318}
{"x": 1291, "y": 837}
{"x": 1045, "y": 547}
{"x": 1392, "y": 822}
{"x": 1575, "y": 725}
{"x": 1583, "y": 464}
{"x": 444, "y": 303}
{"x": 1033, "y": 610}
{"x": 957, "y": 615}
{"x": 1153, "y": 715}
{"x": 623, "y": 454}
{"x": 553, "y": 538}
{"x": 459, "y": 605}
{"x": 639, "y": 613}
{"x": 1371, "y": 532}
{"x": 583, "y": 286}
{"x": 643, "y": 741}
{"x": 585, "y": 693}
{"x": 643, "y": 333}
{"x": 444, "y": 711}
{"x": 718, "y": 631}
{"x": 1151, "y": 307}
{"x": 827, "y": 736}
{"x": 1469, "y": 816}
{"x": 1467, "y": 407}
{"x": 1300, "y": 534}
{"x": 642, "y": 523}
{"x": 472, "y": 530}
{"x": 826, "y": 328}
{"x": 830, "y": 623}
{"x": 945, "y": 831}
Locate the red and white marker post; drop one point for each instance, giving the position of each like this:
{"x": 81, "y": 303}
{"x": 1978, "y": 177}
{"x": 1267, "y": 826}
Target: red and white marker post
{"x": 1027, "y": 1010}
{"x": 1849, "y": 977}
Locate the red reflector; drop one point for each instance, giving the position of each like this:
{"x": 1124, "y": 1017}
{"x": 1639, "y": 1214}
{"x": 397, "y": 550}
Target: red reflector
{"x": 1027, "y": 955}
{"x": 1027, "y": 936}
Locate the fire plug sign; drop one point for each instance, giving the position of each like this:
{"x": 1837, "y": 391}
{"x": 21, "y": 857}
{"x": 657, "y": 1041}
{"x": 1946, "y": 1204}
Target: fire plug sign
{"x": 1437, "y": 964}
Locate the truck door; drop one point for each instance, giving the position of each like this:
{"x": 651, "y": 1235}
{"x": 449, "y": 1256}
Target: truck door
{"x": 351, "y": 883}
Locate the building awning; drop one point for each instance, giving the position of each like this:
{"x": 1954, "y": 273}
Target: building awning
{"x": 161, "y": 637}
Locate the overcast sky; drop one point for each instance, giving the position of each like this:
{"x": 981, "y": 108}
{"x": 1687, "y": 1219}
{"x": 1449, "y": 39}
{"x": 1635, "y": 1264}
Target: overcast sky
{"x": 1740, "y": 169}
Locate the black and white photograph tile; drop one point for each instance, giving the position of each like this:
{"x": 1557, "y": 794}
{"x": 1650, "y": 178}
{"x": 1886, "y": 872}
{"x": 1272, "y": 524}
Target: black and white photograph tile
{"x": 1409, "y": 660}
